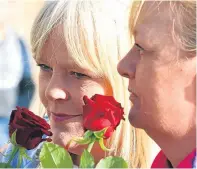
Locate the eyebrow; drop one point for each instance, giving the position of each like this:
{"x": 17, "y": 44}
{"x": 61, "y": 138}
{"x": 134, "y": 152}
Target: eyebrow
{"x": 40, "y": 59}
{"x": 73, "y": 64}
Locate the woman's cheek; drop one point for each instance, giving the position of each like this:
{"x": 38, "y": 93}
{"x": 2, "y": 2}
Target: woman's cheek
{"x": 90, "y": 88}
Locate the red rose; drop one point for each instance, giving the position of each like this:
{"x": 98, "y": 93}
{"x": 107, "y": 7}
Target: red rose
{"x": 30, "y": 128}
{"x": 100, "y": 112}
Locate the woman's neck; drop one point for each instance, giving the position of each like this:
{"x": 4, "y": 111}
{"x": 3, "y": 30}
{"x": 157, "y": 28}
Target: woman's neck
{"x": 174, "y": 146}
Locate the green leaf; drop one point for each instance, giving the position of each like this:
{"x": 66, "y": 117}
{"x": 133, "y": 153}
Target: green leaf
{"x": 100, "y": 134}
{"x": 54, "y": 156}
{"x": 13, "y": 138}
{"x": 81, "y": 140}
{"x": 112, "y": 162}
{"x": 86, "y": 139}
{"x": 87, "y": 160}
{"x": 22, "y": 154}
{"x": 5, "y": 165}
{"x": 88, "y": 134}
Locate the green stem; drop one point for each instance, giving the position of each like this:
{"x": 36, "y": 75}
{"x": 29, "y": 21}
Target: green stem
{"x": 14, "y": 151}
{"x": 90, "y": 146}
{"x": 102, "y": 145}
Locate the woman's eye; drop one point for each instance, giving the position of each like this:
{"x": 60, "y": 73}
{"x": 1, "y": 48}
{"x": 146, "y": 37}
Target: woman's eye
{"x": 78, "y": 75}
{"x": 139, "y": 48}
{"x": 45, "y": 67}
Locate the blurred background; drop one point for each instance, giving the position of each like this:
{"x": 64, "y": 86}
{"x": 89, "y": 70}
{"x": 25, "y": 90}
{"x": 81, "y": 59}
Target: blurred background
{"x": 17, "y": 70}
{"x": 20, "y": 14}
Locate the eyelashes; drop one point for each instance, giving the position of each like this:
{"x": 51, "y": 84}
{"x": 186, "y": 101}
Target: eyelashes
{"x": 139, "y": 47}
{"x": 77, "y": 75}
{"x": 44, "y": 67}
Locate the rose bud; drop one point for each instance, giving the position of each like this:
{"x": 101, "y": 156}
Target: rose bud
{"x": 101, "y": 112}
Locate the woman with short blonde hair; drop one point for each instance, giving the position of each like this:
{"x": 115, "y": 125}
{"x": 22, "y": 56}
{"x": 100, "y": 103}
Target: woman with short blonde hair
{"x": 161, "y": 68}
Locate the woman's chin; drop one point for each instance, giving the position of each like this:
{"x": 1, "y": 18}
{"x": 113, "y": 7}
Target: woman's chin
{"x": 64, "y": 133}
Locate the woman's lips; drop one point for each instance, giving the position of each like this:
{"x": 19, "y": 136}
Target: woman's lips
{"x": 132, "y": 97}
{"x": 62, "y": 117}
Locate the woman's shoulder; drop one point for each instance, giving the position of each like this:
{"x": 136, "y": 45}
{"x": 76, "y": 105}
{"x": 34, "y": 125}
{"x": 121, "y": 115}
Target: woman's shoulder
{"x": 26, "y": 163}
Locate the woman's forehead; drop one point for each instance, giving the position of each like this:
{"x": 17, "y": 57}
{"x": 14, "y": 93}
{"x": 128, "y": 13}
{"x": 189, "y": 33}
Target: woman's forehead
{"x": 155, "y": 12}
{"x": 54, "y": 44}
{"x": 154, "y": 19}
{"x": 55, "y": 51}
{"x": 56, "y": 36}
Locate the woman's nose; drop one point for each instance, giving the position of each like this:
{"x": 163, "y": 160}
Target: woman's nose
{"x": 127, "y": 67}
{"x": 56, "y": 90}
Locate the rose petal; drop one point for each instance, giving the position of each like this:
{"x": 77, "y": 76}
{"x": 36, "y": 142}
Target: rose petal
{"x": 98, "y": 124}
{"x": 109, "y": 132}
{"x": 101, "y": 99}
{"x": 87, "y": 100}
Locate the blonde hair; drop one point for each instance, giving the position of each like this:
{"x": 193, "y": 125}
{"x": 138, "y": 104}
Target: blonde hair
{"x": 96, "y": 38}
{"x": 184, "y": 22}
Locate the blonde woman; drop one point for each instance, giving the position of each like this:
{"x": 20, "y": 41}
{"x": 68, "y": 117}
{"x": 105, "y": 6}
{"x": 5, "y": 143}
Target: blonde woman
{"x": 164, "y": 58}
{"x": 77, "y": 45}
